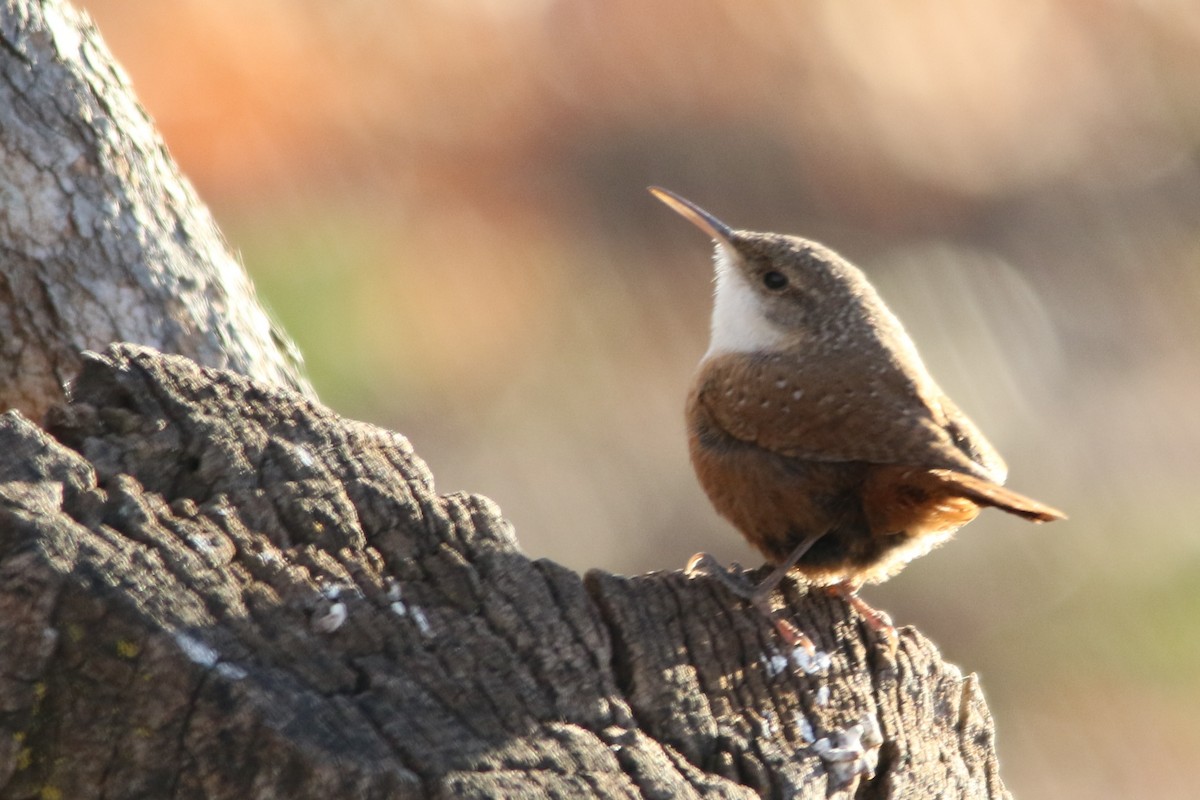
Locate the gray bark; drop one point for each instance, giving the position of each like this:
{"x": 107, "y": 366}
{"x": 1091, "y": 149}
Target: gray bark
{"x": 101, "y": 238}
{"x": 212, "y": 588}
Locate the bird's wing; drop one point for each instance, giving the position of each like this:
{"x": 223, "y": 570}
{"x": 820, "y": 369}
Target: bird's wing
{"x": 842, "y": 410}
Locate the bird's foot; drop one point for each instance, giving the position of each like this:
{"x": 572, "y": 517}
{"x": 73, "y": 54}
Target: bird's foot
{"x": 793, "y": 637}
{"x": 877, "y": 621}
{"x": 759, "y": 594}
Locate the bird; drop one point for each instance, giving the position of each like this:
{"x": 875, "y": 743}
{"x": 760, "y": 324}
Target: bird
{"x": 816, "y": 430}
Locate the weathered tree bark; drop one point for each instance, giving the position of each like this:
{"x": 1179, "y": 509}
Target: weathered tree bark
{"x": 213, "y": 588}
{"x": 101, "y": 238}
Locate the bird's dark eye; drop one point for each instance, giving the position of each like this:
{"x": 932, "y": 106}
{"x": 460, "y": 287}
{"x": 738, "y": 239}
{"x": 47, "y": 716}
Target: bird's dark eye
{"x": 774, "y": 280}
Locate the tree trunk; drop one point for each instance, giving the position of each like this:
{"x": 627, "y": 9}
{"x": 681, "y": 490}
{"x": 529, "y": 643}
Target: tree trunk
{"x": 101, "y": 238}
{"x": 212, "y": 587}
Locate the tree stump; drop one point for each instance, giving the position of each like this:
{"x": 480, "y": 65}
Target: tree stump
{"x": 212, "y": 587}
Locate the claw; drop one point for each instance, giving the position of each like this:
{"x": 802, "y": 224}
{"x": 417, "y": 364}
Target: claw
{"x": 877, "y": 621}
{"x": 759, "y": 595}
{"x": 792, "y": 636}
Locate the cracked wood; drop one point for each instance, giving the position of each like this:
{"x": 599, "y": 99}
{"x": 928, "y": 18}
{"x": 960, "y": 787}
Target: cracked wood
{"x": 173, "y": 545}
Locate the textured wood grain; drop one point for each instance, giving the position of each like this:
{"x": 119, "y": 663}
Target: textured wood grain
{"x": 214, "y": 588}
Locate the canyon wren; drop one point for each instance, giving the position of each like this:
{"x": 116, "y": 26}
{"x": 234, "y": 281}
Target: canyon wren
{"x": 816, "y": 430}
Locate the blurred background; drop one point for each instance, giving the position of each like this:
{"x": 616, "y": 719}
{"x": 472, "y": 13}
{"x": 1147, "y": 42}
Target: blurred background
{"x": 443, "y": 201}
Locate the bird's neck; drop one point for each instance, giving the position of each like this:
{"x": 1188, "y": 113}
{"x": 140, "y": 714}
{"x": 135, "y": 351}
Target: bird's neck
{"x": 739, "y": 323}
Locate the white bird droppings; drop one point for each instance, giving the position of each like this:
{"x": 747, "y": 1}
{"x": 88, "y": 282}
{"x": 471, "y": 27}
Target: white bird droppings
{"x": 774, "y": 665}
{"x": 817, "y": 663}
{"x": 231, "y": 671}
{"x": 804, "y": 727}
{"x": 305, "y": 457}
{"x": 422, "y": 621}
{"x": 331, "y": 618}
{"x": 197, "y": 651}
{"x": 852, "y": 752}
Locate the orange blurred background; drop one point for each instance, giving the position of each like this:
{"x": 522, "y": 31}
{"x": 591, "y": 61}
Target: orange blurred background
{"x": 444, "y": 203}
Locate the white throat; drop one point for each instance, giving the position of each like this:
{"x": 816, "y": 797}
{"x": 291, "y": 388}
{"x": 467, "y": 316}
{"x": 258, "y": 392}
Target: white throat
{"x": 739, "y": 323}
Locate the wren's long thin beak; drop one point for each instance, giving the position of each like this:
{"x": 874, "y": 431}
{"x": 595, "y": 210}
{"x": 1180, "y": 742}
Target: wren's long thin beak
{"x": 695, "y": 215}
